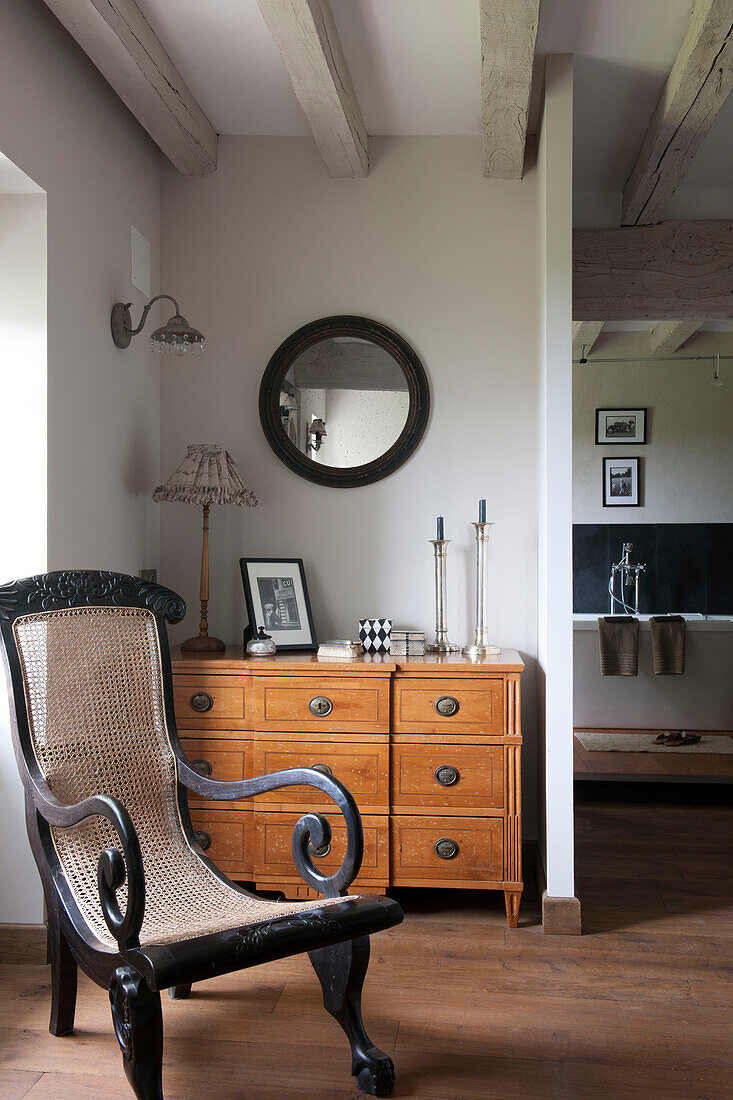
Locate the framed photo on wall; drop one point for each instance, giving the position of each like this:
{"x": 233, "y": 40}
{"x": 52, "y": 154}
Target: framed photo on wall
{"x": 620, "y": 482}
{"x": 276, "y": 595}
{"x": 620, "y": 426}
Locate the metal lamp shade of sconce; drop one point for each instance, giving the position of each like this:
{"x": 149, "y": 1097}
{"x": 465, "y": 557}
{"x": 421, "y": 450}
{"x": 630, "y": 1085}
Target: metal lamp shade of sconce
{"x": 207, "y": 475}
{"x": 175, "y": 337}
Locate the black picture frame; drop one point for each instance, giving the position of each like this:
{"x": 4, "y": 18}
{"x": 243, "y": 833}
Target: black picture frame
{"x": 621, "y": 499}
{"x": 291, "y": 568}
{"x": 617, "y": 438}
{"x": 363, "y": 328}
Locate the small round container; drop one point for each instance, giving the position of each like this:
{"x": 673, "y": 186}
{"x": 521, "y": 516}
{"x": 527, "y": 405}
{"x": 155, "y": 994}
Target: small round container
{"x": 262, "y": 645}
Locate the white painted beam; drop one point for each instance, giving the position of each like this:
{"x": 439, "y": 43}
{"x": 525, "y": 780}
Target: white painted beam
{"x": 667, "y": 336}
{"x": 508, "y": 36}
{"x": 121, "y": 43}
{"x": 698, "y": 85}
{"x": 306, "y": 36}
{"x": 585, "y": 334}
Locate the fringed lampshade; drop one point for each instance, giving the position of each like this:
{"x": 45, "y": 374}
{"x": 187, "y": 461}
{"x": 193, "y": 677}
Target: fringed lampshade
{"x": 207, "y": 475}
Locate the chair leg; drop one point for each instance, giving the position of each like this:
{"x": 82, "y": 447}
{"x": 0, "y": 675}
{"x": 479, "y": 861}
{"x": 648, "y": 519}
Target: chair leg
{"x": 179, "y": 992}
{"x": 341, "y": 970}
{"x": 138, "y": 1024}
{"x": 63, "y": 981}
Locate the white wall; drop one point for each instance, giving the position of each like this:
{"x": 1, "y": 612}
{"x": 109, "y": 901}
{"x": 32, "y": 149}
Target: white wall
{"x": 61, "y": 123}
{"x": 555, "y": 653}
{"x": 428, "y": 246}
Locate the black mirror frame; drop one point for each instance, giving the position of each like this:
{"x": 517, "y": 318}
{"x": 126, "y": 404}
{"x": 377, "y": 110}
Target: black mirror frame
{"x": 417, "y": 417}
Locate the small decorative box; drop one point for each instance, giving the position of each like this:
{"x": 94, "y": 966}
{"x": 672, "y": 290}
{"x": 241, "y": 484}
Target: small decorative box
{"x": 374, "y": 635}
{"x": 407, "y": 643}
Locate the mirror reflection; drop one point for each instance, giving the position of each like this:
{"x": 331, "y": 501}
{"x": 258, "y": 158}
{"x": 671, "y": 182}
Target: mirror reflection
{"x": 344, "y": 401}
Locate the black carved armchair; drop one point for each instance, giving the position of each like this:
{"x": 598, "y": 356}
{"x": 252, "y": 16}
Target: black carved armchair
{"x": 130, "y": 896}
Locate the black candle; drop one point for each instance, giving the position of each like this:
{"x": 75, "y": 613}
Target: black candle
{"x": 439, "y": 528}
{"x": 482, "y": 511}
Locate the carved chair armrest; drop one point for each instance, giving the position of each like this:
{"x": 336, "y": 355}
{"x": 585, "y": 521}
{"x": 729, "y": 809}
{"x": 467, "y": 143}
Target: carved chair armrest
{"x": 113, "y": 865}
{"x": 312, "y": 829}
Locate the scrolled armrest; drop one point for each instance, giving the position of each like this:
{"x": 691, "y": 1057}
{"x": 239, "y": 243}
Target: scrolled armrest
{"x": 312, "y": 829}
{"x": 113, "y": 866}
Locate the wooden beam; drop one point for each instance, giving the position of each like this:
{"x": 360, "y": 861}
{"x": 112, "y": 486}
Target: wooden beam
{"x": 306, "y": 36}
{"x": 121, "y": 43}
{"x": 508, "y": 36}
{"x": 677, "y": 270}
{"x": 585, "y": 334}
{"x": 698, "y": 85}
{"x": 668, "y": 336}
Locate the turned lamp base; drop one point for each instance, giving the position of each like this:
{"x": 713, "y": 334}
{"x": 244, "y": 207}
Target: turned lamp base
{"x": 203, "y": 644}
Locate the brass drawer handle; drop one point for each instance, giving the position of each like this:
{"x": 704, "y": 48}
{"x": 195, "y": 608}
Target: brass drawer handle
{"x": 320, "y": 706}
{"x": 319, "y": 850}
{"x": 446, "y": 706}
{"x": 447, "y": 775}
{"x": 322, "y": 768}
{"x": 203, "y": 840}
{"x": 445, "y": 848}
{"x": 201, "y": 701}
{"x": 203, "y": 767}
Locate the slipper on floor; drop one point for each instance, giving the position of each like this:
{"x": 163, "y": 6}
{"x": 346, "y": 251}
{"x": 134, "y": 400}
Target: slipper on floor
{"x": 690, "y": 739}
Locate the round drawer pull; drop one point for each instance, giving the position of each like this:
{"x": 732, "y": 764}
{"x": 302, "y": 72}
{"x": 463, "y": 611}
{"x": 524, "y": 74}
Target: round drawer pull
{"x": 201, "y": 701}
{"x": 320, "y": 706}
{"x": 322, "y": 768}
{"x": 203, "y": 840}
{"x": 447, "y": 775}
{"x": 319, "y": 850}
{"x": 446, "y": 706}
{"x": 203, "y": 767}
{"x": 445, "y": 848}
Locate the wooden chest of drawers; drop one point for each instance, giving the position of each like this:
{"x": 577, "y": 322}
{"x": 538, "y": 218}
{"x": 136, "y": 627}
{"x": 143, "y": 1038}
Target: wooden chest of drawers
{"x": 429, "y": 747}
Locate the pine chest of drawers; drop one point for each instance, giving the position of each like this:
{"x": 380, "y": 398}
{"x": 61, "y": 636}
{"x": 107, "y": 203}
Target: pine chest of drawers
{"x": 430, "y": 748}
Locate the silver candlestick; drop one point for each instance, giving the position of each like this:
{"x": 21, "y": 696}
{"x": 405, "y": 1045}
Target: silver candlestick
{"x": 481, "y": 646}
{"x": 441, "y": 643}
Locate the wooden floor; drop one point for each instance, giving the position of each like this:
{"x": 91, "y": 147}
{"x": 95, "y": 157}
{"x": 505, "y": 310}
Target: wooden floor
{"x": 640, "y": 1006}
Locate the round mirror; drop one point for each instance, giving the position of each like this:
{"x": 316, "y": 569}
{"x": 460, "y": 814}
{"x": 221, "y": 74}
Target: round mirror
{"x": 344, "y": 401}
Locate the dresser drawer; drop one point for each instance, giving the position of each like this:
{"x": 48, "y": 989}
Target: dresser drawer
{"x": 430, "y": 850}
{"x": 226, "y": 837}
{"x": 322, "y": 704}
{"x": 362, "y": 768}
{"x": 225, "y": 759}
{"x": 447, "y": 777}
{"x": 274, "y": 856}
{"x": 201, "y": 699}
{"x": 448, "y": 706}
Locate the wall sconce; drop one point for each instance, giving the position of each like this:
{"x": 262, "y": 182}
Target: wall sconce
{"x": 175, "y": 337}
{"x": 316, "y": 433}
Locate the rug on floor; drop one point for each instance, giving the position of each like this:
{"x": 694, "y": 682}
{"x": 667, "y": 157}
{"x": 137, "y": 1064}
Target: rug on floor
{"x": 602, "y": 741}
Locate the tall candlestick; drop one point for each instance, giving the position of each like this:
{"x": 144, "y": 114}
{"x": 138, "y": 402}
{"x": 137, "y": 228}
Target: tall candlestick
{"x": 439, "y": 533}
{"x": 441, "y": 643}
{"x": 481, "y": 646}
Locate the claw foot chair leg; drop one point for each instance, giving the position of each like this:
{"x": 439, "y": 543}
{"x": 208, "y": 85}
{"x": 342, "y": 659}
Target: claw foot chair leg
{"x": 341, "y": 970}
{"x": 138, "y": 1024}
{"x": 63, "y": 982}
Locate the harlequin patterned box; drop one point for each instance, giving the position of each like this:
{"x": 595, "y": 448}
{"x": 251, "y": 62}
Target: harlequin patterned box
{"x": 407, "y": 643}
{"x": 374, "y": 635}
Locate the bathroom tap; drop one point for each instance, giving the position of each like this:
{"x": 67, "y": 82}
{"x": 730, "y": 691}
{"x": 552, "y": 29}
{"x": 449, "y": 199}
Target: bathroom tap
{"x": 628, "y": 575}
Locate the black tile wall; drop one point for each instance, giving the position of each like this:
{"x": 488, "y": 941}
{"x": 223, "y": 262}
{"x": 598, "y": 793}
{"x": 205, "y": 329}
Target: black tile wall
{"x": 688, "y": 566}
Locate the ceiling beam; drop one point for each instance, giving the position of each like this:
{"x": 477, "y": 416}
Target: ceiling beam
{"x": 508, "y": 36}
{"x": 305, "y": 34}
{"x": 121, "y": 43}
{"x": 697, "y": 87}
{"x": 667, "y": 336}
{"x": 677, "y": 270}
{"x": 585, "y": 334}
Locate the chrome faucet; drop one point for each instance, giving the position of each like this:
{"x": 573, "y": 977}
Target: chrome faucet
{"x": 628, "y": 576}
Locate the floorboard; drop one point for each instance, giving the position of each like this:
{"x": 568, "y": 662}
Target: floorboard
{"x": 637, "y": 1007}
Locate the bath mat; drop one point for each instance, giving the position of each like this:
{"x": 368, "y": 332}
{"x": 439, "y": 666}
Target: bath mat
{"x": 600, "y": 741}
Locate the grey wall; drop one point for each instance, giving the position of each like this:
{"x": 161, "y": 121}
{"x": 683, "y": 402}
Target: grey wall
{"x": 427, "y": 246}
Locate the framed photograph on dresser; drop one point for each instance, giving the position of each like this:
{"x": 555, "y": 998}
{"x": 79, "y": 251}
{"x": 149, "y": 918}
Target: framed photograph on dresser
{"x": 276, "y": 595}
